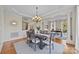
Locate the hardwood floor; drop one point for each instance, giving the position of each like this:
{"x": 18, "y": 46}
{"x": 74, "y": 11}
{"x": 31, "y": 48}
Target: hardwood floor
{"x": 69, "y": 49}
{"x": 8, "y": 47}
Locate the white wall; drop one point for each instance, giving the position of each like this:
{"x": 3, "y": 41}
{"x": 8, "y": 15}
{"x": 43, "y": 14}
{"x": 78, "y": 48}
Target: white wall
{"x": 77, "y": 28}
{"x": 1, "y": 23}
{"x": 6, "y": 28}
{"x": 8, "y": 19}
{"x": 1, "y": 26}
{"x": 9, "y": 28}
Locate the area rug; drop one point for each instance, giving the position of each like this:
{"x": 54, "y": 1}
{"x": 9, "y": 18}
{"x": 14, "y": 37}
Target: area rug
{"x": 23, "y": 48}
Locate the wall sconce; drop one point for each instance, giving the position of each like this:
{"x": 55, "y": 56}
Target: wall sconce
{"x": 13, "y": 23}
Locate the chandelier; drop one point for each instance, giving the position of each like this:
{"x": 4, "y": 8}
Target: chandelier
{"x": 37, "y": 18}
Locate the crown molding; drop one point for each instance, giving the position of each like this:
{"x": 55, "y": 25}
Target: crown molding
{"x": 18, "y": 13}
{"x": 58, "y": 11}
{"x": 52, "y": 14}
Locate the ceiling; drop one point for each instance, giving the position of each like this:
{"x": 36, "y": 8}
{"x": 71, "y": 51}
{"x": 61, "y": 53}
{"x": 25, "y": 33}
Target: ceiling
{"x": 46, "y": 11}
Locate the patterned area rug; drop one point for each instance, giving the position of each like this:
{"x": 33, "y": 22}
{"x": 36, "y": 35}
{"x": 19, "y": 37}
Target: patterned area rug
{"x": 23, "y": 48}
